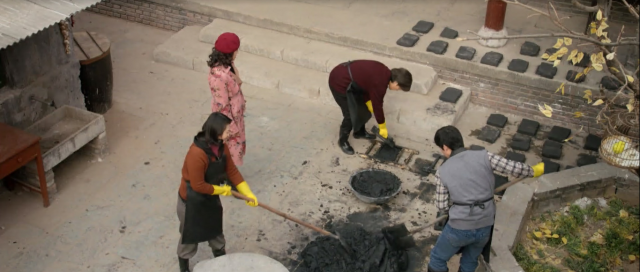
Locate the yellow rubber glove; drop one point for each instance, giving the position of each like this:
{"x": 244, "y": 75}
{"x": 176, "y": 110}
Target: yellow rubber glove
{"x": 618, "y": 147}
{"x": 538, "y": 169}
{"x": 369, "y": 106}
{"x": 244, "y": 189}
{"x": 224, "y": 190}
{"x": 383, "y": 130}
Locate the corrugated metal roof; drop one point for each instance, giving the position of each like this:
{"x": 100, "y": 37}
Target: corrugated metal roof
{"x": 20, "y": 19}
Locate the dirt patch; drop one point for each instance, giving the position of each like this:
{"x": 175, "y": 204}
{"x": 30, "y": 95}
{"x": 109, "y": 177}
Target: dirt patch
{"x": 441, "y": 109}
{"x": 375, "y": 183}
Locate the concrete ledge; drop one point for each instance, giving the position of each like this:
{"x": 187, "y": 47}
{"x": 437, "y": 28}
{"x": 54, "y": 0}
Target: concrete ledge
{"x": 314, "y": 55}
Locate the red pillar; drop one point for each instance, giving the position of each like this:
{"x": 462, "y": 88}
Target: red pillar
{"x": 496, "y": 10}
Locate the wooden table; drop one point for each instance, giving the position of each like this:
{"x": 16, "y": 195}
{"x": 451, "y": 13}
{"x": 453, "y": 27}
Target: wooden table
{"x": 17, "y": 148}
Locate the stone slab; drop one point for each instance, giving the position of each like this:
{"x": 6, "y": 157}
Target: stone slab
{"x": 585, "y": 159}
{"x": 559, "y": 134}
{"x": 610, "y": 83}
{"x": 492, "y": 59}
{"x": 489, "y": 134}
{"x": 592, "y": 142}
{"x": 546, "y": 70}
{"x": 422, "y": 26}
{"x": 515, "y": 156}
{"x": 240, "y": 262}
{"x": 449, "y": 33}
{"x": 571, "y": 76}
{"x": 551, "y": 149}
{"x": 438, "y": 47}
{"x": 311, "y": 54}
{"x": 426, "y": 111}
{"x": 510, "y": 214}
{"x": 520, "y": 142}
{"x": 466, "y": 53}
{"x": 450, "y": 95}
{"x": 497, "y": 120}
{"x": 528, "y": 127}
{"x": 408, "y": 40}
{"x": 529, "y": 49}
{"x": 518, "y": 65}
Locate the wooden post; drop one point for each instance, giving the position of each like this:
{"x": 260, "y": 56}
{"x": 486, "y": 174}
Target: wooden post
{"x": 494, "y": 24}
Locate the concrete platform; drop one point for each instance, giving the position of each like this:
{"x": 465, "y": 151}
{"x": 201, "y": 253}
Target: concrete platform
{"x": 311, "y": 54}
{"x": 240, "y": 262}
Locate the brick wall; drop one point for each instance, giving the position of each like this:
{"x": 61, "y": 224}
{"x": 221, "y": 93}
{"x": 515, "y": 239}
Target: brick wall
{"x": 150, "y": 13}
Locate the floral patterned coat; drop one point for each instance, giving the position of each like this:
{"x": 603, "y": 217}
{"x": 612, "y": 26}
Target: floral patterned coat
{"x": 228, "y": 99}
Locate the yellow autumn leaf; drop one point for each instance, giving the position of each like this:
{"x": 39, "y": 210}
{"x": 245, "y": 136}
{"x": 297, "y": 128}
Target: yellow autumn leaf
{"x": 562, "y": 51}
{"x": 598, "y": 102}
{"x": 545, "y": 56}
{"x": 600, "y": 31}
{"x": 580, "y": 56}
{"x": 632, "y": 258}
{"x": 594, "y": 58}
{"x": 597, "y": 238}
{"x": 560, "y": 87}
{"x": 556, "y": 63}
{"x": 588, "y": 92}
{"x": 558, "y": 43}
{"x": 600, "y": 57}
{"x": 547, "y": 235}
{"x": 592, "y": 24}
{"x": 611, "y": 55}
{"x": 604, "y": 25}
{"x": 579, "y": 75}
{"x": 613, "y": 69}
{"x": 573, "y": 53}
{"x": 537, "y": 234}
{"x": 629, "y": 237}
{"x": 546, "y": 231}
{"x": 606, "y": 40}
{"x": 564, "y": 240}
{"x": 567, "y": 41}
{"x": 553, "y": 57}
{"x": 593, "y": 30}
{"x": 630, "y": 106}
{"x": 599, "y": 15}
{"x": 577, "y": 114}
{"x": 587, "y": 69}
{"x": 624, "y": 214}
{"x": 556, "y": 236}
{"x": 597, "y": 67}
{"x": 630, "y": 79}
{"x": 547, "y": 107}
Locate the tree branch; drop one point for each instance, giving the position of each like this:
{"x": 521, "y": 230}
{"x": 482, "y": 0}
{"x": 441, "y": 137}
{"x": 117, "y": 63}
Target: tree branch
{"x": 584, "y": 7}
{"x": 549, "y": 35}
{"x": 633, "y": 11}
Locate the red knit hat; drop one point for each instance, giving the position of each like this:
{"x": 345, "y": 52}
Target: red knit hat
{"x": 227, "y": 43}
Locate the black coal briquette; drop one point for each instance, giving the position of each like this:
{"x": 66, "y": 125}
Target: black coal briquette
{"x": 515, "y": 156}
{"x": 610, "y": 83}
{"x": 528, "y": 127}
{"x": 422, "y": 27}
{"x": 500, "y": 180}
{"x": 450, "y": 95}
{"x": 497, "y": 120}
{"x": 438, "y": 47}
{"x": 550, "y": 166}
{"x": 476, "y": 147}
{"x": 592, "y": 142}
{"x": 408, "y": 40}
{"x": 489, "y": 134}
{"x": 491, "y": 58}
{"x": 571, "y": 77}
{"x": 559, "y": 134}
{"x": 585, "y": 159}
{"x": 449, "y": 33}
{"x": 551, "y": 51}
{"x": 466, "y": 53}
{"x": 546, "y": 70}
{"x": 518, "y": 65}
{"x": 520, "y": 142}
{"x": 529, "y": 49}
{"x": 551, "y": 149}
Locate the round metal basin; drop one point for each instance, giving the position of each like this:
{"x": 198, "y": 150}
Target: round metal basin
{"x": 373, "y": 200}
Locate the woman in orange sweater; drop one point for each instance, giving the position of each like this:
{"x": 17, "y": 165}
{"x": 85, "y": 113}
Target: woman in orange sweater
{"x": 205, "y": 168}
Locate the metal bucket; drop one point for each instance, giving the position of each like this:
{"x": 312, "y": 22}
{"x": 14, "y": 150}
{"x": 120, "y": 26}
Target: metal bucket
{"x": 373, "y": 200}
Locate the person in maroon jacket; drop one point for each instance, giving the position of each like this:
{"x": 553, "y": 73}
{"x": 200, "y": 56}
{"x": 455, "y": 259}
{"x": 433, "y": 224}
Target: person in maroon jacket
{"x": 371, "y": 80}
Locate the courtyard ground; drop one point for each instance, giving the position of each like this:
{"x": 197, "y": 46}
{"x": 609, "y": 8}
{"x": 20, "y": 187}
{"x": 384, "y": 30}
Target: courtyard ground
{"x": 117, "y": 213}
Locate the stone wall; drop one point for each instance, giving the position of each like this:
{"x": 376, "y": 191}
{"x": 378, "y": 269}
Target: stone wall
{"x": 39, "y": 66}
{"x": 150, "y": 13}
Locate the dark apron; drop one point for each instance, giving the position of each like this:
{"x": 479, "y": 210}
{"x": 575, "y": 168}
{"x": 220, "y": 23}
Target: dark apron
{"x": 203, "y": 215}
{"x": 358, "y": 110}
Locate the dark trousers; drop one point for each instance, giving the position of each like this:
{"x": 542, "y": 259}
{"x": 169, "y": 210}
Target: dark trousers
{"x": 346, "y": 126}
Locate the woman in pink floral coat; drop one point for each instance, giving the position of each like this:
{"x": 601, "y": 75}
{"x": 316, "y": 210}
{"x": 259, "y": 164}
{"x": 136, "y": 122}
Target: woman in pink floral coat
{"x": 228, "y": 99}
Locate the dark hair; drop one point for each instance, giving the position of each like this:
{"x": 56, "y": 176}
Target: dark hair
{"x": 213, "y": 128}
{"x": 216, "y": 59}
{"x": 403, "y": 77}
{"x": 449, "y": 136}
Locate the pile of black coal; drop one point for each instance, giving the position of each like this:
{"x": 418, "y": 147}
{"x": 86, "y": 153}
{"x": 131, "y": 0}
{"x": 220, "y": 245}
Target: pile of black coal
{"x": 375, "y": 183}
{"x": 371, "y": 253}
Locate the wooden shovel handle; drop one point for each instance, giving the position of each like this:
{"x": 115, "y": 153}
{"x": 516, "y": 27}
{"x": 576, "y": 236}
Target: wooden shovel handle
{"x": 286, "y": 216}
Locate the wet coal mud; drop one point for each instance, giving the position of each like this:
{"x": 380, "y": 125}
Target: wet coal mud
{"x": 387, "y": 153}
{"x": 375, "y": 183}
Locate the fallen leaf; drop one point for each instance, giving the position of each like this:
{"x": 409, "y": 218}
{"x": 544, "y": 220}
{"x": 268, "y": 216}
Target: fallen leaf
{"x": 564, "y": 240}
{"x": 558, "y": 43}
{"x": 545, "y": 56}
{"x": 560, "y": 87}
{"x": 598, "y": 102}
{"x": 573, "y": 53}
{"x": 600, "y": 57}
{"x": 630, "y": 79}
{"x": 611, "y": 55}
{"x": 537, "y": 234}
{"x": 556, "y": 63}
{"x": 629, "y": 237}
{"x": 613, "y": 69}
{"x": 597, "y": 238}
{"x": 594, "y": 58}
{"x": 588, "y": 92}
{"x": 630, "y": 107}
{"x": 587, "y": 70}
{"x": 597, "y": 67}
{"x": 546, "y": 112}
{"x": 566, "y": 140}
{"x": 547, "y": 235}
{"x": 632, "y": 258}
{"x": 584, "y": 252}
{"x": 547, "y": 107}
{"x": 624, "y": 214}
{"x": 555, "y": 236}
{"x": 599, "y": 15}
{"x": 577, "y": 114}
{"x": 547, "y": 231}
{"x": 580, "y": 56}
{"x": 578, "y": 75}
{"x": 562, "y": 51}
{"x": 567, "y": 41}
{"x": 553, "y": 57}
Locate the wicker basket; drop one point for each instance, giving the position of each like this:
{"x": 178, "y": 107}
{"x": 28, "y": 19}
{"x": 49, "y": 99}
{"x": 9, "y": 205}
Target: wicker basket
{"x": 619, "y": 145}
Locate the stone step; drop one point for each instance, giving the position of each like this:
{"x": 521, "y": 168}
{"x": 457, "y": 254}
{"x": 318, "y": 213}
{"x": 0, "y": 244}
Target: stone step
{"x": 311, "y": 54}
